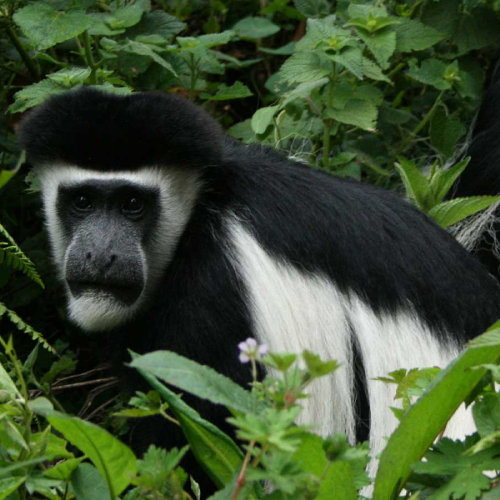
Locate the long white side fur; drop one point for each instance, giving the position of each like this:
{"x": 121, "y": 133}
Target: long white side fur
{"x": 178, "y": 194}
{"x": 293, "y": 311}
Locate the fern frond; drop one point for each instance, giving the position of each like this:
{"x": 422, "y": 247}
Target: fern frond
{"x": 24, "y": 327}
{"x": 14, "y": 257}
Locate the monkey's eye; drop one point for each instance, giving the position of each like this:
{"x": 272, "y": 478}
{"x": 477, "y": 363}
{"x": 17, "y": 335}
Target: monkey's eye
{"x": 82, "y": 203}
{"x": 133, "y": 206}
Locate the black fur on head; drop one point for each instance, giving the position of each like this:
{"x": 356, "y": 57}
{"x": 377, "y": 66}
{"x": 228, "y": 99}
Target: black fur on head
{"x": 102, "y": 131}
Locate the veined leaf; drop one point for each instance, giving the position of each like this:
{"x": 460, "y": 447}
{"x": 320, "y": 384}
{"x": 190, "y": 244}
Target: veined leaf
{"x": 432, "y": 72}
{"x": 413, "y": 35}
{"x": 200, "y": 380}
{"x": 357, "y": 112}
{"x": 35, "y": 94}
{"x": 88, "y": 484}
{"x": 305, "y": 67}
{"x": 9, "y": 485}
{"x": 262, "y": 118}
{"x": 46, "y": 26}
{"x": 444, "y": 180}
{"x": 255, "y": 28}
{"x": 453, "y": 211}
{"x": 416, "y": 184}
{"x": 312, "y": 8}
{"x": 224, "y": 93}
{"x": 382, "y": 45}
{"x": 427, "y": 417}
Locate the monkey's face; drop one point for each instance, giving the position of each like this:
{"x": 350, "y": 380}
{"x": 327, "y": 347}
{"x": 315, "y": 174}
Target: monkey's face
{"x": 112, "y": 236}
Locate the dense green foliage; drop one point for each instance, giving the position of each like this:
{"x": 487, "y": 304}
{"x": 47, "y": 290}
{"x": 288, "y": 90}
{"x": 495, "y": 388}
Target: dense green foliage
{"x": 354, "y": 88}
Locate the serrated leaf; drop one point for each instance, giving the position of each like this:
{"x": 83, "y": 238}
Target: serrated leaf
{"x": 372, "y": 71}
{"x": 88, "y": 484}
{"x": 357, "y": 112}
{"x": 381, "y": 44}
{"x": 365, "y": 11}
{"x": 305, "y": 67}
{"x": 224, "y": 93}
{"x": 143, "y": 49}
{"x": 303, "y": 90}
{"x": 416, "y": 184}
{"x": 157, "y": 22}
{"x": 312, "y": 8}
{"x": 453, "y": 211}
{"x": 432, "y": 72}
{"x": 69, "y": 77}
{"x": 445, "y": 132}
{"x": 412, "y": 35}
{"x": 254, "y": 28}
{"x": 9, "y": 485}
{"x": 352, "y": 59}
{"x": 63, "y": 470}
{"x": 35, "y": 94}
{"x": 46, "y": 26}
{"x": 197, "y": 379}
{"x": 262, "y": 118}
{"x": 443, "y": 181}
{"x": 7, "y": 384}
{"x": 115, "y": 461}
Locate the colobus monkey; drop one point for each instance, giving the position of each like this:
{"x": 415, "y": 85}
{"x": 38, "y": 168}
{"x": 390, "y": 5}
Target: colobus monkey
{"x": 167, "y": 234}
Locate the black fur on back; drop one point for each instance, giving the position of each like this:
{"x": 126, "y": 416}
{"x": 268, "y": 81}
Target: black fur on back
{"x": 102, "y": 131}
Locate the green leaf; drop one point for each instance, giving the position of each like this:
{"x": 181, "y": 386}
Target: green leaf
{"x": 7, "y": 384}
{"x": 317, "y": 366}
{"x": 305, "y": 67}
{"x": 114, "y": 460}
{"x": 382, "y": 45}
{"x": 427, "y": 417}
{"x": 144, "y": 49}
{"x": 88, "y": 484}
{"x": 262, "y": 118}
{"x": 486, "y": 413}
{"x": 357, "y": 112}
{"x": 413, "y": 35}
{"x": 63, "y": 470}
{"x": 46, "y": 26}
{"x": 24, "y": 327}
{"x": 69, "y": 77}
{"x": 285, "y": 50}
{"x": 254, "y": 28}
{"x": 197, "y": 379}
{"x": 215, "y": 451}
{"x": 372, "y": 71}
{"x": 453, "y": 211}
{"x": 445, "y": 132}
{"x": 157, "y": 22}
{"x": 127, "y": 16}
{"x": 365, "y": 11}
{"x": 352, "y": 59}
{"x": 206, "y": 41}
{"x": 476, "y": 30}
{"x": 416, "y": 185}
{"x": 304, "y": 90}
{"x": 432, "y": 72}
{"x": 9, "y": 485}
{"x": 224, "y": 93}
{"x": 312, "y": 8}
{"x": 35, "y": 94}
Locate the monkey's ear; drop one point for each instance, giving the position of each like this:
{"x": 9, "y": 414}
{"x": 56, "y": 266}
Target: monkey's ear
{"x": 103, "y": 131}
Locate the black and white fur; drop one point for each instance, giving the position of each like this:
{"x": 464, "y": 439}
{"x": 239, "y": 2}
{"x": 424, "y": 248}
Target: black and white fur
{"x": 240, "y": 242}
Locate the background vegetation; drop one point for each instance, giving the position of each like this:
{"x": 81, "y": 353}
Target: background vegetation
{"x": 351, "y": 87}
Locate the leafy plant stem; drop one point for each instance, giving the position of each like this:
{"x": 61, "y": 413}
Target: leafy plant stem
{"x": 89, "y": 58}
{"x": 194, "y": 77}
{"x": 418, "y": 128}
{"x": 30, "y": 64}
{"x": 326, "y": 142}
{"x": 240, "y": 482}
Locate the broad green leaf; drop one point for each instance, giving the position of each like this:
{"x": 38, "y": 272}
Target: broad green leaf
{"x": 207, "y": 41}
{"x": 444, "y": 180}
{"x": 432, "y": 72}
{"x": 262, "y": 118}
{"x": 224, "y": 93}
{"x": 144, "y": 49}
{"x": 365, "y": 11}
{"x": 305, "y": 67}
{"x": 7, "y": 384}
{"x": 254, "y": 28}
{"x": 427, "y": 417}
{"x": 157, "y": 22}
{"x": 382, "y": 45}
{"x": 197, "y": 379}
{"x": 453, "y": 211}
{"x": 127, "y": 15}
{"x": 70, "y": 77}
{"x": 312, "y": 8}
{"x": 215, "y": 451}
{"x": 35, "y": 94}
{"x": 114, "y": 460}
{"x": 357, "y": 112}
{"x": 100, "y": 27}
{"x": 413, "y": 35}
{"x": 445, "y": 132}
{"x": 373, "y": 24}
{"x": 372, "y": 71}
{"x": 416, "y": 184}
{"x": 46, "y": 26}
{"x": 304, "y": 90}
{"x": 352, "y": 59}
{"x": 285, "y": 50}
{"x": 9, "y": 485}
{"x": 88, "y": 484}
{"x": 476, "y": 30}
{"x": 64, "y": 469}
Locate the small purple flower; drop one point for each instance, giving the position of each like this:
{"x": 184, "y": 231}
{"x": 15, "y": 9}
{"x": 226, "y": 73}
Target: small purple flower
{"x": 250, "y": 350}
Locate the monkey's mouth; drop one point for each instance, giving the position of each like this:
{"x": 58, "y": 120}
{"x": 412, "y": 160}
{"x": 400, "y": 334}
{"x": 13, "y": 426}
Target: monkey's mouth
{"x": 127, "y": 294}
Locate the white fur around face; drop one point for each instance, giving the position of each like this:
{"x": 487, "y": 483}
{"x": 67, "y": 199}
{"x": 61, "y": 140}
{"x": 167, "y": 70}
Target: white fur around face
{"x": 178, "y": 194}
{"x": 293, "y": 311}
